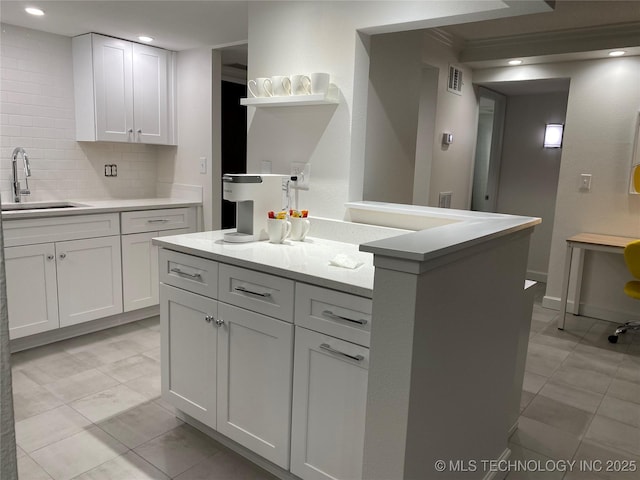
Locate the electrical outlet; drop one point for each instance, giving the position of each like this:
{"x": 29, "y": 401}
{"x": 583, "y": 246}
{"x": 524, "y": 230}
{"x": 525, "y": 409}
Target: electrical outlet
{"x": 114, "y": 170}
{"x": 203, "y": 164}
{"x": 303, "y": 172}
{"x": 585, "y": 182}
{"x": 107, "y": 170}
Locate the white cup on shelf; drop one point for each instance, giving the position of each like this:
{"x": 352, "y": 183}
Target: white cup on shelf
{"x": 300, "y": 85}
{"x": 260, "y": 87}
{"x": 281, "y": 86}
{"x": 319, "y": 83}
{"x": 299, "y": 228}
{"x": 278, "y": 229}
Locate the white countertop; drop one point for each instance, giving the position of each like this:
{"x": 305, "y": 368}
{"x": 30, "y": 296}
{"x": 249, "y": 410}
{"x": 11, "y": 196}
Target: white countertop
{"x": 84, "y": 207}
{"x": 306, "y": 261}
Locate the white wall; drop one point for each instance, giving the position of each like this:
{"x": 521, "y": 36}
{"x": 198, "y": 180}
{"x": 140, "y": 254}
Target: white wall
{"x": 528, "y": 172}
{"x": 181, "y": 164}
{"x": 395, "y": 77}
{"x": 297, "y": 37}
{"x": 603, "y": 104}
{"x": 451, "y": 165}
{"x": 37, "y": 113}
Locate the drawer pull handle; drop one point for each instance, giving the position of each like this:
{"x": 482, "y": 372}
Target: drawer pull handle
{"x": 159, "y": 220}
{"x": 327, "y": 347}
{"x": 244, "y": 290}
{"x": 330, "y": 314}
{"x": 186, "y": 274}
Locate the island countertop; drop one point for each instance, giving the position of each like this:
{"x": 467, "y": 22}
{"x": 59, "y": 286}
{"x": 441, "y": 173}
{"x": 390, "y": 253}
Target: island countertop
{"x": 306, "y": 261}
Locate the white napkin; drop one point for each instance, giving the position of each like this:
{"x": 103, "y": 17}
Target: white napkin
{"x": 344, "y": 261}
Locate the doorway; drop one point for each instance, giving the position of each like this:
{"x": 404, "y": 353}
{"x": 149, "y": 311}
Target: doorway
{"x": 486, "y": 171}
{"x": 233, "y": 142}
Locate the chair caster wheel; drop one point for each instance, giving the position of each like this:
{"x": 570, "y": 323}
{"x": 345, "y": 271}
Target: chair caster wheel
{"x": 613, "y": 339}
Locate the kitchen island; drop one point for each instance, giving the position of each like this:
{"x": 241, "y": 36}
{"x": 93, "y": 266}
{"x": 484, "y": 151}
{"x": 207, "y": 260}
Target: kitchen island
{"x": 427, "y": 326}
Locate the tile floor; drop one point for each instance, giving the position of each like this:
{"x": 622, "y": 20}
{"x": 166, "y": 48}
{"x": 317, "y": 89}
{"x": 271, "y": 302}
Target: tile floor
{"x": 90, "y": 408}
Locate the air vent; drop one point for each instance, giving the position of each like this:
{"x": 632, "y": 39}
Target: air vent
{"x": 455, "y": 80}
{"x": 444, "y": 199}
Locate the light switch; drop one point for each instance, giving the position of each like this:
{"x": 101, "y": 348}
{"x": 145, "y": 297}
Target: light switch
{"x": 585, "y": 181}
{"x": 203, "y": 164}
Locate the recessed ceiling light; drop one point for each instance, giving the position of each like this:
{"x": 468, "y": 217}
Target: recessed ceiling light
{"x": 515, "y": 62}
{"x": 34, "y": 11}
{"x": 145, "y": 39}
{"x": 617, "y": 53}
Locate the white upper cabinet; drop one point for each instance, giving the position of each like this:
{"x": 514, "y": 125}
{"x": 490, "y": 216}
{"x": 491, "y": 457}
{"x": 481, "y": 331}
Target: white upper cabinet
{"x": 123, "y": 91}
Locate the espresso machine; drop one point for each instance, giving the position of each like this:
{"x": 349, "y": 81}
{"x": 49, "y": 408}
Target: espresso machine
{"x": 255, "y": 196}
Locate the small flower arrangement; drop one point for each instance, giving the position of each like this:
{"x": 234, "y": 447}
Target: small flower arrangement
{"x": 298, "y": 214}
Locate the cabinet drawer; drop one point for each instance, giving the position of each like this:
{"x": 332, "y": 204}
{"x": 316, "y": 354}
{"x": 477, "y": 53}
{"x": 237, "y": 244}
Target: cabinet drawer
{"x": 260, "y": 292}
{"x": 30, "y": 231}
{"x": 157, "y": 220}
{"x": 337, "y": 314}
{"x": 195, "y": 274}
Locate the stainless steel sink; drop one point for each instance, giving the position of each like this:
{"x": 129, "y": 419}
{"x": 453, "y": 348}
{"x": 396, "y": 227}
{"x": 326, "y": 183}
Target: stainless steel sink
{"x": 12, "y": 207}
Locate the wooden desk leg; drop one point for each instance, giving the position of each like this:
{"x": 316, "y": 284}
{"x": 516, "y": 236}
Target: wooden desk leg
{"x": 565, "y": 286}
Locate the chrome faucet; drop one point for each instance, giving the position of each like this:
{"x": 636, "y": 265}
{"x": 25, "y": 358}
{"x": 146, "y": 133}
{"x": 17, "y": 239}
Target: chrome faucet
{"x": 17, "y": 191}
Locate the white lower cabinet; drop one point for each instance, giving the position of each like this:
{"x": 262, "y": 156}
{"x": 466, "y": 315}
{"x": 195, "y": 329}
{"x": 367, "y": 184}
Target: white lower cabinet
{"x": 89, "y": 279}
{"x": 139, "y": 271}
{"x": 255, "y": 361}
{"x": 188, "y": 352}
{"x": 53, "y": 285}
{"x": 31, "y": 289}
{"x": 329, "y": 401}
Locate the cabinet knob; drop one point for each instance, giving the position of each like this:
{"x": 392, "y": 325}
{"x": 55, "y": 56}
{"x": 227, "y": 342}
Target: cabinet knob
{"x": 63, "y": 256}
{"x": 139, "y": 130}
{"x": 208, "y": 318}
{"x": 130, "y": 130}
{"x": 50, "y": 257}
{"x": 219, "y": 322}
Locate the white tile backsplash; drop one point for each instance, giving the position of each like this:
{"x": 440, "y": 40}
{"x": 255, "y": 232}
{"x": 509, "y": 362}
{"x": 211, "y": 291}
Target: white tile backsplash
{"x": 37, "y": 113}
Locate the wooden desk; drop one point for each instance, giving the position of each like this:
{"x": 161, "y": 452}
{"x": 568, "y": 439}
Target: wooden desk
{"x": 585, "y": 241}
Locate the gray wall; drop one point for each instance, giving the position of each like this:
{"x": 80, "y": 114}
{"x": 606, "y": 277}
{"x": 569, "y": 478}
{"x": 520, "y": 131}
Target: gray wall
{"x": 529, "y": 172}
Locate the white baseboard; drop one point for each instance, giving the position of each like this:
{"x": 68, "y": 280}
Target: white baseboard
{"x": 499, "y": 474}
{"x": 592, "y": 311}
{"x": 64, "y": 333}
{"x": 537, "y": 276}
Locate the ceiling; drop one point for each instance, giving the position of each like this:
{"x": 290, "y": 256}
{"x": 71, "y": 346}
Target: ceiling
{"x": 185, "y": 24}
{"x": 175, "y": 25}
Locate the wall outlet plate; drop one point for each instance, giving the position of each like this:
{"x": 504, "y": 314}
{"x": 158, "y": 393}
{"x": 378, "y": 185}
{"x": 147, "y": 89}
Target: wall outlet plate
{"x": 303, "y": 172}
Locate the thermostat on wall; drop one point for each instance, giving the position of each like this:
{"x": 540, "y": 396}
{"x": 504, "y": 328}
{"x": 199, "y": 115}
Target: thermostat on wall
{"x": 447, "y": 138}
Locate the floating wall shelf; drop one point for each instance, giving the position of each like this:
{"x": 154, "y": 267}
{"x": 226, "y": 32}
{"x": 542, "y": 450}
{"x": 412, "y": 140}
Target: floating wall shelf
{"x": 289, "y": 101}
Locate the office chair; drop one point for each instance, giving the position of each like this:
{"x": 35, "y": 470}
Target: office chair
{"x": 632, "y": 288}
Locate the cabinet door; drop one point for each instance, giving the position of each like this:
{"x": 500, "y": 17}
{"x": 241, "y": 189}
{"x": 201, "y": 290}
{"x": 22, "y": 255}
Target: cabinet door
{"x": 113, "y": 84}
{"x": 139, "y": 271}
{"x": 89, "y": 279}
{"x": 254, "y": 382}
{"x": 188, "y": 352}
{"x": 329, "y": 399}
{"x": 150, "y": 94}
{"x": 140, "y": 268}
{"x": 32, "y": 297}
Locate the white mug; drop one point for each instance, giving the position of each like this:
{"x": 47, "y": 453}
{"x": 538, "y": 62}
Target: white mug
{"x": 262, "y": 87}
{"x": 278, "y": 229}
{"x": 319, "y": 83}
{"x": 281, "y": 86}
{"x": 300, "y": 85}
{"x": 299, "y": 228}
